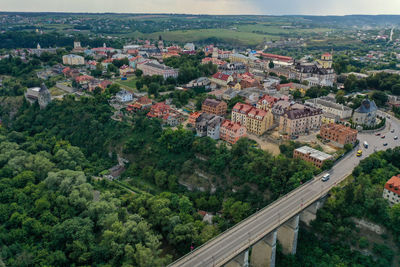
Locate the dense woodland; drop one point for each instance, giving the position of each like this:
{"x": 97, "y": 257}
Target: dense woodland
{"x": 72, "y": 141}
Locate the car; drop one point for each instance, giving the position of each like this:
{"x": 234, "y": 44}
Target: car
{"x": 378, "y": 134}
{"x": 383, "y": 137}
{"x": 385, "y": 144}
{"x": 395, "y": 138}
{"x": 359, "y": 153}
{"x": 392, "y": 131}
{"x": 325, "y": 177}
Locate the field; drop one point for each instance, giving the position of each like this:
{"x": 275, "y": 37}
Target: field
{"x": 245, "y": 34}
{"x": 129, "y": 84}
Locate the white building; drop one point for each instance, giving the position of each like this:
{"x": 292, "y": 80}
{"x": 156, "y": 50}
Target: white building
{"x": 189, "y": 46}
{"x": 391, "y": 192}
{"x": 124, "y": 96}
{"x": 73, "y": 60}
{"x": 329, "y": 106}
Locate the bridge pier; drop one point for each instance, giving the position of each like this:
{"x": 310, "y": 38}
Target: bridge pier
{"x": 287, "y": 235}
{"x": 310, "y": 213}
{"x": 241, "y": 260}
{"x": 263, "y": 253}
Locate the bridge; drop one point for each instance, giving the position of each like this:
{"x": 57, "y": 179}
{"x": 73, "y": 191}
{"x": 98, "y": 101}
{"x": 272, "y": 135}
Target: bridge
{"x": 253, "y": 241}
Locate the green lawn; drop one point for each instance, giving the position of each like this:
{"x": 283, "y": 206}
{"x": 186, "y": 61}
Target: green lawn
{"x": 129, "y": 84}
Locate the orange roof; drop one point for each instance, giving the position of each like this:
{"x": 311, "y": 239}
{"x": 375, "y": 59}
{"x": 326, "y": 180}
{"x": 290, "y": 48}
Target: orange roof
{"x": 242, "y": 108}
{"x": 221, "y": 76}
{"x": 230, "y": 125}
{"x": 195, "y": 115}
{"x": 393, "y": 184}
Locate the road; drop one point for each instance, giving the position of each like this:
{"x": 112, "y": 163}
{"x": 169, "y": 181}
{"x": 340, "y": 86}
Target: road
{"x": 232, "y": 242}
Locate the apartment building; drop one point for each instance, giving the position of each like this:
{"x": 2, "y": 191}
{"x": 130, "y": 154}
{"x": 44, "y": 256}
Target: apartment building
{"x": 208, "y": 125}
{"x": 214, "y": 106}
{"x": 391, "y": 192}
{"x": 339, "y": 134}
{"x": 255, "y": 120}
{"x": 316, "y": 157}
{"x": 329, "y": 105}
{"x": 151, "y": 68}
{"x": 300, "y": 121}
{"x": 231, "y": 131}
{"x": 73, "y": 60}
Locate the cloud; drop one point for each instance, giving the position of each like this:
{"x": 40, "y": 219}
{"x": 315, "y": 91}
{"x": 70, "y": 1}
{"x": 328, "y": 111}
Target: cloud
{"x": 267, "y": 7}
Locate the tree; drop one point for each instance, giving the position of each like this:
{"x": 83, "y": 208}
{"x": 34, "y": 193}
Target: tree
{"x": 154, "y": 88}
{"x": 138, "y": 73}
{"x": 271, "y": 64}
{"x": 380, "y": 98}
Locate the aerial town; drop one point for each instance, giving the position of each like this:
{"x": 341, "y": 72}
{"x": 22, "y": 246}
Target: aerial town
{"x": 204, "y": 140}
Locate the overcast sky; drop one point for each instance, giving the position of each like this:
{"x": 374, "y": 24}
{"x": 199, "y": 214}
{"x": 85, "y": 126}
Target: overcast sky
{"x": 267, "y": 7}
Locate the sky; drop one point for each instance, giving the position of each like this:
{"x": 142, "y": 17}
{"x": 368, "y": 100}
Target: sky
{"x": 262, "y": 7}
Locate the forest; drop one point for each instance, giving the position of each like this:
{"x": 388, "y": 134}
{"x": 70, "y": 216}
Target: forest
{"x": 75, "y": 140}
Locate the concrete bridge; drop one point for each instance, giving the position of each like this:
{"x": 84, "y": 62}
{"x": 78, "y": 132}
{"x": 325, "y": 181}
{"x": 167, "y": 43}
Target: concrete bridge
{"x": 252, "y": 242}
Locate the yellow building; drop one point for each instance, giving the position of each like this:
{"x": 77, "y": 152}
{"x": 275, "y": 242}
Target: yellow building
{"x": 326, "y": 61}
{"x": 255, "y": 120}
{"x": 235, "y": 85}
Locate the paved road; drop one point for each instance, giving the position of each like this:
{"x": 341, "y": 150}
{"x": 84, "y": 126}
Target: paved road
{"x": 224, "y": 247}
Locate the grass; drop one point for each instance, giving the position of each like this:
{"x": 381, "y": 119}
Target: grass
{"x": 233, "y": 36}
{"x": 129, "y": 84}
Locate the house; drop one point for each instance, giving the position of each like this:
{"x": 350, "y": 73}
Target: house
{"x": 158, "y": 110}
{"x": 391, "y": 191}
{"x": 366, "y": 113}
{"x": 124, "y": 96}
{"x": 214, "y": 106}
{"x": 316, "y": 157}
{"x": 208, "y": 125}
{"x": 84, "y": 79}
{"x": 189, "y": 46}
{"x": 338, "y": 134}
{"x": 300, "y": 121}
{"x": 200, "y": 82}
{"x": 193, "y": 117}
{"x": 126, "y": 70}
{"x": 231, "y": 131}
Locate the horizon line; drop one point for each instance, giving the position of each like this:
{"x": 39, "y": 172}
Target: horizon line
{"x": 195, "y": 14}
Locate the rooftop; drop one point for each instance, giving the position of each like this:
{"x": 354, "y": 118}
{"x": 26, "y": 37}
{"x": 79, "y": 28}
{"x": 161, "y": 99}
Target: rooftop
{"x": 394, "y": 184}
{"x": 314, "y": 153}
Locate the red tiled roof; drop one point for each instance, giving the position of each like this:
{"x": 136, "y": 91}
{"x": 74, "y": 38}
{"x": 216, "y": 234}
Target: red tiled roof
{"x": 393, "y": 184}
{"x": 230, "y": 125}
{"x": 221, "y": 76}
{"x": 242, "y": 108}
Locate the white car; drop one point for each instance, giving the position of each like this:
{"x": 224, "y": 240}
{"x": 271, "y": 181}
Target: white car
{"x": 325, "y": 177}
{"x": 395, "y": 138}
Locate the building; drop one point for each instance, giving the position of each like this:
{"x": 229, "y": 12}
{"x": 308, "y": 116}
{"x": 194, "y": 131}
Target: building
{"x": 193, "y": 117}
{"x": 316, "y": 157}
{"x": 300, "y": 121}
{"x": 151, "y": 68}
{"x": 38, "y": 94}
{"x": 231, "y": 131}
{"x": 214, "y": 106}
{"x": 339, "y": 134}
{"x": 328, "y": 106}
{"x": 124, "y": 96}
{"x": 267, "y": 102}
{"x": 391, "y": 191}
{"x": 189, "y": 46}
{"x": 159, "y": 110}
{"x": 73, "y": 60}
{"x": 255, "y": 120}
{"x": 366, "y": 113}
{"x": 221, "y": 80}
{"x": 326, "y": 61}
{"x": 208, "y": 125}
